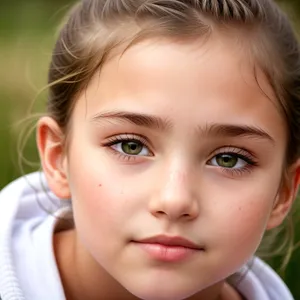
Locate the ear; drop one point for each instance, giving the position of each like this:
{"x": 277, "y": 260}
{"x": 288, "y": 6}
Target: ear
{"x": 286, "y": 196}
{"x": 50, "y": 142}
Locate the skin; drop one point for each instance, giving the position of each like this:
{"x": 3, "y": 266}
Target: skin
{"x": 175, "y": 185}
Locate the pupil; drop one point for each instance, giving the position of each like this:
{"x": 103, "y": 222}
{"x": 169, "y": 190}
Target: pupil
{"x": 132, "y": 146}
{"x": 226, "y": 159}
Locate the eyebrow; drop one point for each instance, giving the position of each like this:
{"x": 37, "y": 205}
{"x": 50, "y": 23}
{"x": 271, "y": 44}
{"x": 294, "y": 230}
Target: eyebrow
{"x": 163, "y": 124}
{"x": 139, "y": 119}
{"x": 230, "y": 130}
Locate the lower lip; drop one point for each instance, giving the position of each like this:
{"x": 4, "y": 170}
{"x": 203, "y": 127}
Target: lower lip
{"x": 167, "y": 253}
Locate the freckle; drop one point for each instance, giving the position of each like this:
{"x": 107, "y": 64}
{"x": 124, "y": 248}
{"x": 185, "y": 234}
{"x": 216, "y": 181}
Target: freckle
{"x": 100, "y": 185}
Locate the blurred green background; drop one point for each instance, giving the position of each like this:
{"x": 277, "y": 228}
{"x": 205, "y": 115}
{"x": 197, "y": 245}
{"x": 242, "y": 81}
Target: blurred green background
{"x": 27, "y": 32}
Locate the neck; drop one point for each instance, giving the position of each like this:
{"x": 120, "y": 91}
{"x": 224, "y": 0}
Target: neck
{"x": 83, "y": 278}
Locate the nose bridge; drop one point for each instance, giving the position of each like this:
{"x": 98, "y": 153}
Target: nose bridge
{"x": 176, "y": 180}
{"x": 176, "y": 197}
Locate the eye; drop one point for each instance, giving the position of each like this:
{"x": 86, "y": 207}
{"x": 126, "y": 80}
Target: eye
{"x": 228, "y": 161}
{"x": 131, "y": 147}
{"x": 234, "y": 161}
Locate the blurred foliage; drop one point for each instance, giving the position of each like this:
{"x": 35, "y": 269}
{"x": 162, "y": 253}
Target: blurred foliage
{"x": 27, "y": 34}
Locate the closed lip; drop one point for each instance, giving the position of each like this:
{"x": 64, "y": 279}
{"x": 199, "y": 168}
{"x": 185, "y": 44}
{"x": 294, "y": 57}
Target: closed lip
{"x": 171, "y": 241}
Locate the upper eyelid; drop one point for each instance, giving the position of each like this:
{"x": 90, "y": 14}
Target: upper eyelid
{"x": 235, "y": 150}
{"x": 118, "y": 138}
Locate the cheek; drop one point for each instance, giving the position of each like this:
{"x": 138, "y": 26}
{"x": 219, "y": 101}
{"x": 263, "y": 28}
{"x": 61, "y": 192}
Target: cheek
{"x": 98, "y": 215}
{"x": 101, "y": 198}
{"x": 240, "y": 222}
{"x": 97, "y": 198}
{"x": 248, "y": 220}
{"x": 93, "y": 194}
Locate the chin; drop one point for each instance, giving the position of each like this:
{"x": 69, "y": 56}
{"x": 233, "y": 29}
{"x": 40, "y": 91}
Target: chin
{"x": 157, "y": 295}
{"x": 162, "y": 291}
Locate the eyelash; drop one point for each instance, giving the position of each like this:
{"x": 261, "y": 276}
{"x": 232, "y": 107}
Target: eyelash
{"x": 127, "y": 137}
{"x": 229, "y": 150}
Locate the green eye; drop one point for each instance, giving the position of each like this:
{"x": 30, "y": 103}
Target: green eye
{"x": 226, "y": 160}
{"x": 132, "y": 148}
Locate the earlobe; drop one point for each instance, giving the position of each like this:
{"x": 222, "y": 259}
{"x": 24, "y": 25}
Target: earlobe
{"x": 286, "y": 196}
{"x": 50, "y": 142}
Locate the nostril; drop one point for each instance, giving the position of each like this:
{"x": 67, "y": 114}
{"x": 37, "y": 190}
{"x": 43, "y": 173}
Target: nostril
{"x": 160, "y": 212}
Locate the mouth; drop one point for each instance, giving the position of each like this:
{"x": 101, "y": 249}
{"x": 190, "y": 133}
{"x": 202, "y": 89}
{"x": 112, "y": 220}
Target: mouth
{"x": 169, "y": 249}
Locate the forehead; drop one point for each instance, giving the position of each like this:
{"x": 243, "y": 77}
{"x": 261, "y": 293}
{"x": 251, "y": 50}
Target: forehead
{"x": 211, "y": 81}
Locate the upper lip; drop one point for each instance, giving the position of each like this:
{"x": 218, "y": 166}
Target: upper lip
{"x": 171, "y": 241}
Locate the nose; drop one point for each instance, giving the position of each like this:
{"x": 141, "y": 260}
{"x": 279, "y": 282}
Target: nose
{"x": 176, "y": 198}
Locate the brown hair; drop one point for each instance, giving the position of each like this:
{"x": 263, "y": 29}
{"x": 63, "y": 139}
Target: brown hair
{"x": 95, "y": 28}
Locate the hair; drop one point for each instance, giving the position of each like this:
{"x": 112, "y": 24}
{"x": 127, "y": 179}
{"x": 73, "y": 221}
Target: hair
{"x": 94, "y": 29}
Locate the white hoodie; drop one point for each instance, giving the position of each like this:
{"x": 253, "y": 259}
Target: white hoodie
{"x": 28, "y": 218}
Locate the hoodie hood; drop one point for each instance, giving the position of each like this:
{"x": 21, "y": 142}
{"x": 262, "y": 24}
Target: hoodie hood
{"x": 28, "y": 215}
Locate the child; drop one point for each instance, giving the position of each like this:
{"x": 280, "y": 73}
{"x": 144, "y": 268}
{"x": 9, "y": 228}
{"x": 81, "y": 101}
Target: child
{"x": 170, "y": 146}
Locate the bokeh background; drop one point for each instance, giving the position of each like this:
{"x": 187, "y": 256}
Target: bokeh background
{"x": 28, "y": 29}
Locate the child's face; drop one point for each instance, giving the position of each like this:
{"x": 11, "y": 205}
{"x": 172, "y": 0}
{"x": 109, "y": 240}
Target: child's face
{"x": 207, "y": 151}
